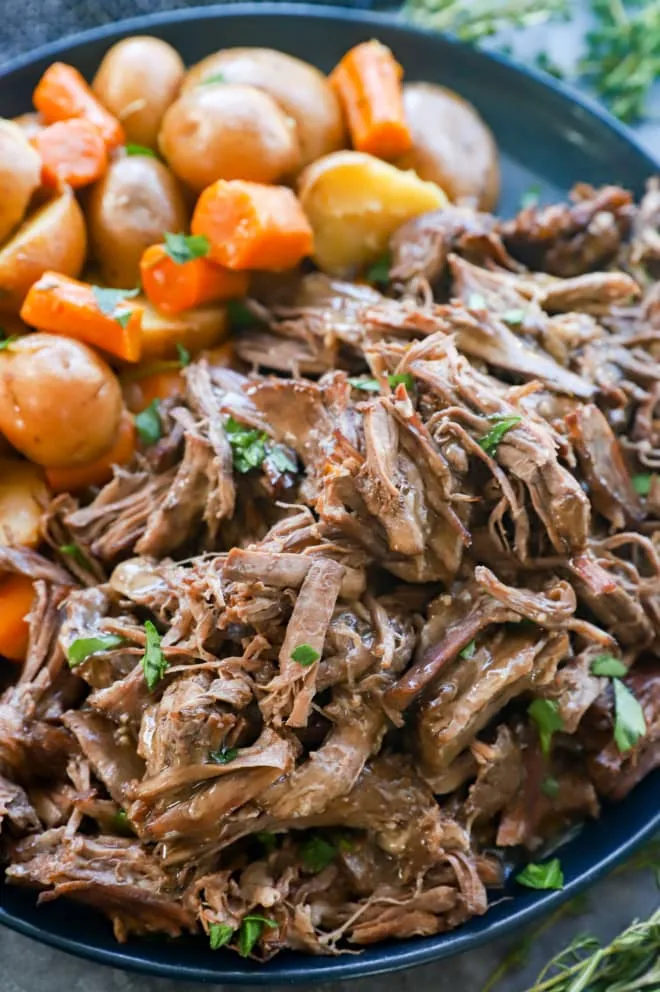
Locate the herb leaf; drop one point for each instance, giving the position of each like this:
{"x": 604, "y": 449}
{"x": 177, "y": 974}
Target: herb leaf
{"x": 305, "y": 655}
{"x": 224, "y": 755}
{"x": 380, "y": 270}
{"x": 642, "y": 483}
{"x": 280, "y": 458}
{"x": 148, "y": 423}
{"x": 545, "y": 714}
{"x": 133, "y": 149}
{"x": 216, "y": 77}
{"x": 85, "y": 647}
{"x": 251, "y": 930}
{"x": 122, "y": 825}
{"x": 183, "y": 353}
{"x": 154, "y": 662}
{"x": 248, "y": 445}
{"x": 629, "y": 724}
{"x": 490, "y": 441}
{"x": 73, "y": 551}
{"x": 6, "y": 342}
{"x": 365, "y": 384}
{"x": 468, "y": 650}
{"x": 607, "y": 664}
{"x": 219, "y": 935}
{"x": 240, "y": 317}
{"x": 317, "y": 853}
{"x": 550, "y": 787}
{"x": 184, "y": 248}
{"x": 123, "y": 317}
{"x": 543, "y": 875}
{"x": 108, "y": 299}
{"x": 530, "y": 197}
{"x": 405, "y": 378}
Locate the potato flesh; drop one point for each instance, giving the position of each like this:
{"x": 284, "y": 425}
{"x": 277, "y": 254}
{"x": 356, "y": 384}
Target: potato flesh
{"x": 203, "y": 327}
{"x": 355, "y": 202}
{"x": 22, "y": 495}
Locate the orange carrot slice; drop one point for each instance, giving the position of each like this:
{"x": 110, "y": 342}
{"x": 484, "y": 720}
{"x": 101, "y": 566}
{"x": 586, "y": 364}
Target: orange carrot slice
{"x": 62, "y": 93}
{"x": 106, "y": 319}
{"x": 367, "y": 82}
{"x": 160, "y": 384}
{"x": 72, "y": 152}
{"x": 16, "y": 599}
{"x": 176, "y": 286}
{"x": 99, "y": 471}
{"x": 252, "y": 226}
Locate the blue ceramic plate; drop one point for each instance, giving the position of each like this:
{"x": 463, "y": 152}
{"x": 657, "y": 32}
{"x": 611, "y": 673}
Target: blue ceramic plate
{"x": 548, "y": 136}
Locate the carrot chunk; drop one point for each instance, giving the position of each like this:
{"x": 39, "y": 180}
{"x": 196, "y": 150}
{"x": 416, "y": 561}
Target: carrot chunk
{"x": 367, "y": 82}
{"x": 72, "y": 152}
{"x": 99, "y": 317}
{"x": 252, "y": 226}
{"x": 99, "y": 471}
{"x": 16, "y": 599}
{"x": 176, "y": 286}
{"x": 159, "y": 384}
{"x": 62, "y": 93}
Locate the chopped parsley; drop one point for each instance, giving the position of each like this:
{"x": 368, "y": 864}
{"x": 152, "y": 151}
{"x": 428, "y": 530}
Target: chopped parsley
{"x": 530, "y": 197}
{"x": 642, "y": 483}
{"x": 123, "y": 317}
{"x": 607, "y": 664}
{"x": 148, "y": 423}
{"x": 403, "y": 379}
{"x": 5, "y": 342}
{"x": 305, "y": 655}
{"x": 546, "y": 716}
{"x": 468, "y": 650}
{"x": 224, "y": 755}
{"x": 216, "y": 77}
{"x": 219, "y": 935}
{"x": 85, "y": 647}
{"x": 380, "y": 270}
{"x": 133, "y": 149}
{"x": 317, "y": 853}
{"x": 550, "y": 787}
{"x": 365, "y": 384}
{"x": 107, "y": 300}
{"x": 251, "y": 930}
{"x": 184, "y": 355}
{"x": 154, "y": 662}
{"x": 490, "y": 441}
{"x": 240, "y": 316}
{"x": 543, "y": 875}
{"x": 280, "y": 459}
{"x": 121, "y": 824}
{"x": 184, "y": 248}
{"x": 248, "y": 445}
{"x": 629, "y": 723}
{"x": 73, "y": 551}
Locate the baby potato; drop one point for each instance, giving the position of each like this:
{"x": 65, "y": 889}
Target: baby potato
{"x": 203, "y": 327}
{"x": 132, "y": 207}
{"x": 299, "y": 88}
{"x": 60, "y": 404}
{"x": 225, "y": 131}
{"x": 20, "y": 175}
{"x": 452, "y": 146}
{"x": 53, "y": 237}
{"x": 22, "y": 495}
{"x": 137, "y": 80}
{"x": 30, "y": 124}
{"x": 355, "y": 202}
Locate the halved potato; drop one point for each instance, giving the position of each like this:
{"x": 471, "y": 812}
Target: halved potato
{"x": 53, "y": 237}
{"x": 355, "y": 202}
{"x": 196, "y": 329}
{"x": 452, "y": 146}
{"x": 20, "y": 175}
{"x": 23, "y": 492}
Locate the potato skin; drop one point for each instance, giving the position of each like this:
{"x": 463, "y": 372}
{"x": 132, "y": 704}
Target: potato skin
{"x": 226, "y": 131}
{"x": 137, "y": 80}
{"x": 60, "y": 403}
{"x": 53, "y": 237}
{"x": 452, "y": 146}
{"x": 23, "y": 492}
{"x": 203, "y": 327}
{"x": 20, "y": 175}
{"x": 299, "y": 88}
{"x": 132, "y": 207}
{"x": 355, "y": 202}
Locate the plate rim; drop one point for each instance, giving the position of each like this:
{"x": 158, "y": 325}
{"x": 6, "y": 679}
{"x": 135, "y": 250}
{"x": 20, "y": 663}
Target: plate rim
{"x": 528, "y": 907}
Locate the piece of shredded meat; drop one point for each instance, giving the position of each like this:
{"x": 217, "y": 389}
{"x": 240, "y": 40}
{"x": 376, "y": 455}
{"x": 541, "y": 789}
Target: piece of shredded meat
{"x": 295, "y": 671}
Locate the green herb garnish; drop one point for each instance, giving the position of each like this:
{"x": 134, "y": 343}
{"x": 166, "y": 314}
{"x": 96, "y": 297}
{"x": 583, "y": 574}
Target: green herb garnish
{"x": 629, "y": 723}
{"x": 403, "y": 379}
{"x": 546, "y": 716}
{"x": 380, "y": 270}
{"x": 240, "y": 317}
{"x": 148, "y": 423}
{"x": 642, "y": 483}
{"x": 184, "y": 248}
{"x": 365, "y": 384}
{"x": 530, "y": 197}
{"x": 6, "y": 342}
{"x": 123, "y": 317}
{"x": 607, "y": 664}
{"x": 490, "y": 441}
{"x": 550, "y": 787}
{"x": 121, "y": 824}
{"x": 317, "y": 853}
{"x": 251, "y": 930}
{"x": 248, "y": 445}
{"x": 184, "y": 355}
{"x": 224, "y": 755}
{"x": 154, "y": 662}
{"x": 544, "y": 875}
{"x": 219, "y": 935}
{"x": 468, "y": 650}
{"x": 282, "y": 460}
{"x": 305, "y": 655}
{"x": 107, "y": 300}
{"x": 132, "y": 149}
{"x": 85, "y": 647}
{"x": 73, "y": 551}
{"x": 216, "y": 77}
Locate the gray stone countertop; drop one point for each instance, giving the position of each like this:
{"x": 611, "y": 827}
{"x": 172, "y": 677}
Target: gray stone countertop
{"x": 26, "y": 966}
